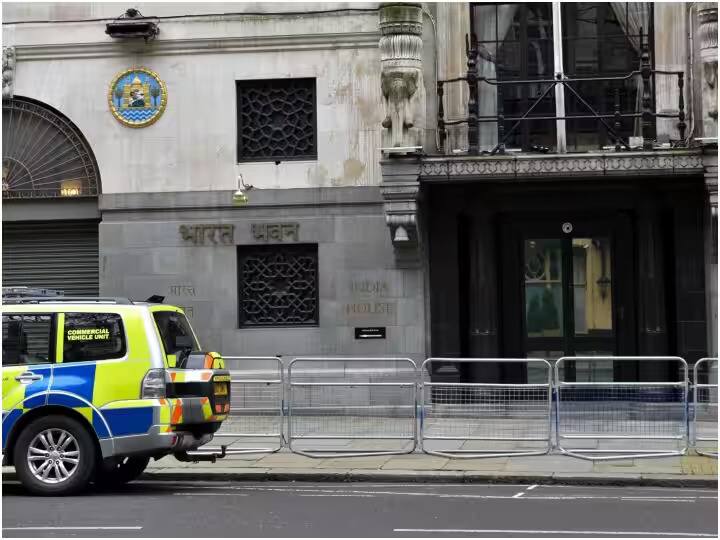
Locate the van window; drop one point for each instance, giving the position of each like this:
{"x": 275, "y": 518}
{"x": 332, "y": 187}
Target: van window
{"x": 93, "y": 336}
{"x": 27, "y": 339}
{"x": 172, "y": 325}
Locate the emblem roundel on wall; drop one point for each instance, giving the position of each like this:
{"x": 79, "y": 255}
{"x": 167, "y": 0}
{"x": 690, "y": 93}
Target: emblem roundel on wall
{"x": 137, "y": 97}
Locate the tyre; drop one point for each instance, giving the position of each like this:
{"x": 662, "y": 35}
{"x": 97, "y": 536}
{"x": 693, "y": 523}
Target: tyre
{"x": 115, "y": 472}
{"x": 55, "y": 455}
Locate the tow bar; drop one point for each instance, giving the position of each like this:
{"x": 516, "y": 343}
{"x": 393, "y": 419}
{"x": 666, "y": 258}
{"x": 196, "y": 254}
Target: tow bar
{"x": 195, "y": 456}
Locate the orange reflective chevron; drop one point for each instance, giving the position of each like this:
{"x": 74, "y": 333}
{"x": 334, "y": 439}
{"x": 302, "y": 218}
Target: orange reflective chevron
{"x": 176, "y": 417}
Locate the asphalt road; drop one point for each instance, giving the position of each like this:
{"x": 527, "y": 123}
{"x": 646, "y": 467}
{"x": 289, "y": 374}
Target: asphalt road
{"x": 305, "y": 509}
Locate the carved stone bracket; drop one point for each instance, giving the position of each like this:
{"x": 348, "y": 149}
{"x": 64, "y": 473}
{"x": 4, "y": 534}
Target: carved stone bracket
{"x": 403, "y": 91}
{"x": 707, "y": 31}
{"x": 8, "y": 71}
{"x": 400, "y": 190}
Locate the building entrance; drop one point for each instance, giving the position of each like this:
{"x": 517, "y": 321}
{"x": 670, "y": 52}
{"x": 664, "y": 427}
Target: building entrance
{"x": 565, "y": 284}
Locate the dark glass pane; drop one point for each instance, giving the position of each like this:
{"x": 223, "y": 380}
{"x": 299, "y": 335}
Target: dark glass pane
{"x": 516, "y": 44}
{"x": 93, "y": 336}
{"x": 543, "y": 288}
{"x": 172, "y": 325}
{"x": 592, "y": 286}
{"x": 26, "y": 339}
{"x": 596, "y": 45}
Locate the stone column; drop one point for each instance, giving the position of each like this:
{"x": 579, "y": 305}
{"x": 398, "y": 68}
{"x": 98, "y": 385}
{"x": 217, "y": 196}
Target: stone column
{"x": 670, "y": 55}
{"x": 453, "y": 23}
{"x": 403, "y": 91}
{"x": 8, "y": 71}
{"x": 707, "y": 36}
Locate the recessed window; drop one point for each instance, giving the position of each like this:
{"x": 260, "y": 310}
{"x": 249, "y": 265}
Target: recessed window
{"x": 93, "y": 336}
{"x": 276, "y": 119}
{"x": 278, "y": 285}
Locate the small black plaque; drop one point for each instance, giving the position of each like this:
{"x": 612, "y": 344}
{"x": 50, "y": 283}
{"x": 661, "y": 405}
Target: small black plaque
{"x": 372, "y": 332}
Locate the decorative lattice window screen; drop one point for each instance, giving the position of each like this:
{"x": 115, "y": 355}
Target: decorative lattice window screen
{"x": 278, "y": 285}
{"x": 276, "y": 119}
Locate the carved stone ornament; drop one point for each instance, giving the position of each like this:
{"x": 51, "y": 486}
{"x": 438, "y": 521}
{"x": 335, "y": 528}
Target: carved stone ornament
{"x": 400, "y": 191}
{"x": 708, "y": 38}
{"x": 8, "y": 71}
{"x": 402, "y": 86}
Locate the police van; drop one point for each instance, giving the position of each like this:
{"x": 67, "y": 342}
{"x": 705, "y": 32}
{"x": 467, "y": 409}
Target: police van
{"x": 93, "y": 388}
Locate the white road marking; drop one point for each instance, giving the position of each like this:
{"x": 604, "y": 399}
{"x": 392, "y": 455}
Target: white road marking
{"x": 334, "y": 495}
{"x": 518, "y": 531}
{"x": 193, "y": 494}
{"x": 80, "y": 528}
{"x": 650, "y": 499}
{"x": 530, "y": 488}
{"x": 518, "y": 496}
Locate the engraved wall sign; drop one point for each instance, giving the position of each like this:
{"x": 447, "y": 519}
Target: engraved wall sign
{"x": 181, "y": 290}
{"x": 201, "y": 235}
{"x": 276, "y": 232}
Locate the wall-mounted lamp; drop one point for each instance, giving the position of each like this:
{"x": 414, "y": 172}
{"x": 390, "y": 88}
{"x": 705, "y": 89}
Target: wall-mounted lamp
{"x": 239, "y": 197}
{"x": 132, "y": 24}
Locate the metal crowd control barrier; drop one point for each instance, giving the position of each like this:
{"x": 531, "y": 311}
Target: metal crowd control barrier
{"x": 347, "y": 402}
{"x": 596, "y": 415}
{"x": 454, "y": 414}
{"x": 705, "y": 408}
{"x": 255, "y": 422}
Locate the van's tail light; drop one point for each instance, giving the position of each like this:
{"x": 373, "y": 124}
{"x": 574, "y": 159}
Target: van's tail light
{"x": 154, "y": 384}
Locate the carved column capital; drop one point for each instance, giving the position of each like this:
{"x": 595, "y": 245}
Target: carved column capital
{"x": 402, "y": 85}
{"x": 707, "y": 13}
{"x": 8, "y": 71}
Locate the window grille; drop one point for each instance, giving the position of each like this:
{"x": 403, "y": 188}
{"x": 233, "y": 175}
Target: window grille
{"x": 44, "y": 155}
{"x": 278, "y": 285}
{"x": 277, "y": 119}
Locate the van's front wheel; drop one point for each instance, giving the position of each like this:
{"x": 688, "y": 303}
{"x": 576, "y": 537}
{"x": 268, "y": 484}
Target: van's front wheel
{"x": 115, "y": 472}
{"x": 55, "y": 455}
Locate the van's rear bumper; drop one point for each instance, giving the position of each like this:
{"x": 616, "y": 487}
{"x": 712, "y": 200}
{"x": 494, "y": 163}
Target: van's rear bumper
{"x": 155, "y": 442}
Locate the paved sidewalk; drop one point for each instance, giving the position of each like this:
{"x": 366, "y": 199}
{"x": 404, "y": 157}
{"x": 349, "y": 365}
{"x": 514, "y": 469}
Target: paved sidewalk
{"x": 690, "y": 470}
{"x": 680, "y": 471}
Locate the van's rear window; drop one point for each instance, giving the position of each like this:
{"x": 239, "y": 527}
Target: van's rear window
{"x": 172, "y": 325}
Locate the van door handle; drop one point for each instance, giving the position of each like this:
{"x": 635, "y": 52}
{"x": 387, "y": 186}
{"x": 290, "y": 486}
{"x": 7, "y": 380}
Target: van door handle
{"x": 28, "y": 377}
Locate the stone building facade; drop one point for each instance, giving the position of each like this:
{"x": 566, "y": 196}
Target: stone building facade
{"x": 389, "y": 211}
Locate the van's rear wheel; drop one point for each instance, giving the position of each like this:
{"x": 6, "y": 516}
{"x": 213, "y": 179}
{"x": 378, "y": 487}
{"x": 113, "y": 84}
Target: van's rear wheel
{"x": 120, "y": 471}
{"x": 55, "y": 455}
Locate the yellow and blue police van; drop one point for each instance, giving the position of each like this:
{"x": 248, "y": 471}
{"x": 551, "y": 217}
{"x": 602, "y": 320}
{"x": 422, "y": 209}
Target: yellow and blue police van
{"x": 93, "y": 388}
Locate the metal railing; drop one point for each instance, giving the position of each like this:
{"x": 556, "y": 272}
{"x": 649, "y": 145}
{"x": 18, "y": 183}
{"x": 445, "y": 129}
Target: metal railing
{"x": 705, "y": 408}
{"x": 255, "y": 422}
{"x": 596, "y": 415}
{"x": 482, "y": 419}
{"x": 610, "y": 120}
{"x": 344, "y": 403}
{"x": 345, "y": 407}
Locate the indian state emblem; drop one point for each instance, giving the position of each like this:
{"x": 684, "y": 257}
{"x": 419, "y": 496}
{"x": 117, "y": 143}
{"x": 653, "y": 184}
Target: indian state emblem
{"x": 137, "y": 97}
